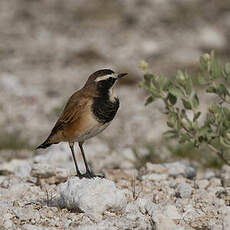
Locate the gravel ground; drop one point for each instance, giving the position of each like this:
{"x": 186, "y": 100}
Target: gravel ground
{"x": 168, "y": 196}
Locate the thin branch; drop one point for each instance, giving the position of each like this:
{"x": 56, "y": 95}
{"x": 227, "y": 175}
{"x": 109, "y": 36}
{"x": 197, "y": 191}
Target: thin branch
{"x": 219, "y": 154}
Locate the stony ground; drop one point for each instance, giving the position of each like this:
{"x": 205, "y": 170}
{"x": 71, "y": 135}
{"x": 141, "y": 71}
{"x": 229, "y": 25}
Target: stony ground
{"x": 47, "y": 51}
{"x": 36, "y": 195}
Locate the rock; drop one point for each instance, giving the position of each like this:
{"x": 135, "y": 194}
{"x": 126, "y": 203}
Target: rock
{"x": 184, "y": 190}
{"x": 178, "y": 168}
{"x": 208, "y": 175}
{"x": 139, "y": 212}
{"x": 155, "y": 168}
{"x": 226, "y": 221}
{"x": 23, "y": 170}
{"x": 172, "y": 213}
{"x": 226, "y": 179}
{"x": 128, "y": 154}
{"x": 33, "y": 227}
{"x": 202, "y": 184}
{"x": 26, "y": 213}
{"x": 215, "y": 182}
{"x": 154, "y": 177}
{"x": 45, "y": 171}
{"x": 216, "y": 227}
{"x": 163, "y": 222}
{"x": 6, "y": 221}
{"x": 20, "y": 168}
{"x": 92, "y": 196}
{"x": 104, "y": 225}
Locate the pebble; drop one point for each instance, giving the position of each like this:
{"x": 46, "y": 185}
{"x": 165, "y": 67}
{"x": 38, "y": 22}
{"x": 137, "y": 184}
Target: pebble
{"x": 184, "y": 190}
{"x": 203, "y": 184}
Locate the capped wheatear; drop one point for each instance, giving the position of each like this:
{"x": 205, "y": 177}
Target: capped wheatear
{"x": 87, "y": 113}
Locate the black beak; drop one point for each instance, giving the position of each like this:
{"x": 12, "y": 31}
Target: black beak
{"x": 120, "y": 75}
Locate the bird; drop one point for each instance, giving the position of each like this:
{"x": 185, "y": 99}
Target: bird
{"x": 86, "y": 114}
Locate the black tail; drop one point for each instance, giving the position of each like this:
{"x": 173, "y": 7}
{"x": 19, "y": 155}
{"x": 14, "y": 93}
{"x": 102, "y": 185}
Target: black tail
{"x": 44, "y": 145}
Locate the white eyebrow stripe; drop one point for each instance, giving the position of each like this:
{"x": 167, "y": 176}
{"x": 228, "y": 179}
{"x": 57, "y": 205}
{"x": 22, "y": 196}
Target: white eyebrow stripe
{"x": 105, "y": 77}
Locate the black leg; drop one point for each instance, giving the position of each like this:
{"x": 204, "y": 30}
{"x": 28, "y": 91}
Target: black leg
{"x": 89, "y": 173}
{"x": 83, "y": 155}
{"x": 71, "y": 145}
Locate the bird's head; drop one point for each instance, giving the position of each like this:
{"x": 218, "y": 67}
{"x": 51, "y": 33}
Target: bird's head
{"x": 104, "y": 79}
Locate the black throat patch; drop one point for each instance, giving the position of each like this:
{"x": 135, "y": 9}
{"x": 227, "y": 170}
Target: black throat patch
{"x": 105, "y": 110}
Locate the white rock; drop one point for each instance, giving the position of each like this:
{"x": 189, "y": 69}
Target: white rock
{"x": 202, "y": 184}
{"x": 20, "y": 168}
{"x": 135, "y": 212}
{"x": 26, "y": 213}
{"x": 128, "y": 154}
{"x": 216, "y": 227}
{"x": 104, "y": 225}
{"x": 8, "y": 224}
{"x": 215, "y": 182}
{"x": 209, "y": 174}
{"x": 33, "y": 227}
{"x": 45, "y": 171}
{"x": 155, "y": 168}
{"x": 155, "y": 177}
{"x": 163, "y": 222}
{"x": 226, "y": 221}
{"x": 184, "y": 190}
{"x": 172, "y": 213}
{"x": 42, "y": 170}
{"x": 23, "y": 170}
{"x": 93, "y": 196}
{"x": 179, "y": 168}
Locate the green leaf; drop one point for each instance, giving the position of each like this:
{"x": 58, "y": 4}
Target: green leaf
{"x": 224, "y": 142}
{"x": 170, "y": 134}
{"x": 226, "y": 124}
{"x": 201, "y": 79}
{"x": 184, "y": 138}
{"x": 186, "y": 104}
{"x": 213, "y": 108}
{"x": 215, "y": 69}
{"x": 196, "y": 116}
{"x": 172, "y": 119}
{"x": 226, "y": 72}
{"x": 195, "y": 101}
{"x": 163, "y": 82}
{"x": 155, "y": 92}
{"x": 227, "y": 68}
{"x": 188, "y": 84}
{"x": 177, "y": 92}
{"x": 211, "y": 89}
{"x": 203, "y": 63}
{"x": 172, "y": 99}
{"x": 221, "y": 90}
{"x": 148, "y": 76}
{"x": 149, "y": 100}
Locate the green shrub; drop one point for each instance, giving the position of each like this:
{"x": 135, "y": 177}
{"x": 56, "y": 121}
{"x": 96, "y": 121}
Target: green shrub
{"x": 181, "y": 100}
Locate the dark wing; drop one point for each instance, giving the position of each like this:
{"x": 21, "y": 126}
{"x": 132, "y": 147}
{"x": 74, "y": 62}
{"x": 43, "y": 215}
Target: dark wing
{"x": 72, "y": 111}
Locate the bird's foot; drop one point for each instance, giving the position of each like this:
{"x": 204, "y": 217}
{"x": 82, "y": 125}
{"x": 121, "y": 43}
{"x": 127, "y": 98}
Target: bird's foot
{"x": 91, "y": 175}
{"x": 79, "y": 175}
